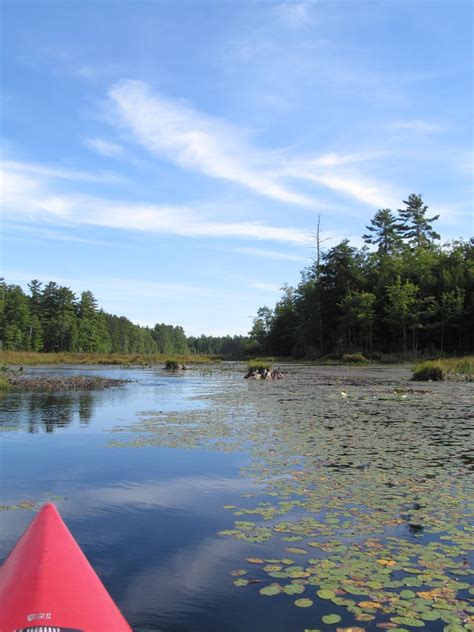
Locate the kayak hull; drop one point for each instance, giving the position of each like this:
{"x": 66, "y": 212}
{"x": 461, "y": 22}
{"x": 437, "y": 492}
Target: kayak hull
{"x": 46, "y": 583}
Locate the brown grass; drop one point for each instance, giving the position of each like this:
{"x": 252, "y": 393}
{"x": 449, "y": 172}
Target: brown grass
{"x": 29, "y": 358}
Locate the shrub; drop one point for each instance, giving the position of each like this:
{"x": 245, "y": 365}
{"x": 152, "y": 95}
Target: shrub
{"x": 354, "y": 358}
{"x": 428, "y": 372}
{"x": 259, "y": 364}
{"x": 172, "y": 365}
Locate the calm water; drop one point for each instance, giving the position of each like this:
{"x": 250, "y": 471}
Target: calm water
{"x": 143, "y": 473}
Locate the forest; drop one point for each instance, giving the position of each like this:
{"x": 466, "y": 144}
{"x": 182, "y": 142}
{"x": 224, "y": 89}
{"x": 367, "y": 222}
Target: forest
{"x": 52, "y": 319}
{"x": 402, "y": 292}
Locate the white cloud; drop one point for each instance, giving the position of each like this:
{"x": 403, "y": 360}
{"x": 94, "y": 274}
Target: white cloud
{"x": 266, "y": 287}
{"x": 21, "y": 168}
{"x": 369, "y": 192}
{"x": 270, "y": 254}
{"x": 419, "y": 125}
{"x": 32, "y": 199}
{"x": 195, "y": 141}
{"x": 34, "y": 232}
{"x": 104, "y": 147}
{"x": 336, "y": 160}
{"x": 295, "y": 15}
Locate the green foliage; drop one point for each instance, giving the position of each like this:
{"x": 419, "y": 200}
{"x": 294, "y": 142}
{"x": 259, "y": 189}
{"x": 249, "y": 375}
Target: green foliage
{"x": 428, "y": 371}
{"x": 233, "y": 347}
{"x": 460, "y": 366}
{"x": 259, "y": 364}
{"x": 172, "y": 365}
{"x": 383, "y": 232}
{"x": 354, "y": 358}
{"x": 406, "y": 298}
{"x": 414, "y": 226}
{"x": 52, "y": 319}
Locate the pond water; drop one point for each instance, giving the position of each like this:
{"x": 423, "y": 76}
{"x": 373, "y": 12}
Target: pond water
{"x": 335, "y": 498}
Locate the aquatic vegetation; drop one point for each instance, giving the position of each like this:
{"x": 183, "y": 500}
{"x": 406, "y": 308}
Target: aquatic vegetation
{"x": 428, "y": 371}
{"x": 364, "y": 502}
{"x": 61, "y": 383}
{"x": 444, "y": 367}
{"x": 31, "y": 505}
{"x": 260, "y": 364}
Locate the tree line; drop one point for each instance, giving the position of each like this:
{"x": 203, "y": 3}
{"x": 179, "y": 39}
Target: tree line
{"x": 51, "y": 318}
{"x": 407, "y": 293}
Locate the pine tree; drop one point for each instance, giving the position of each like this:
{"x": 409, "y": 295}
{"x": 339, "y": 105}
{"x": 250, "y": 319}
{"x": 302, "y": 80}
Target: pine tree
{"x": 414, "y": 226}
{"x": 383, "y": 232}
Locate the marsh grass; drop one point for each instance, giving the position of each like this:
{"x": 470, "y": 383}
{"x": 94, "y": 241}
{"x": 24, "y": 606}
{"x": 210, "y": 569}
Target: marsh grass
{"x": 259, "y": 364}
{"x": 438, "y": 369}
{"x": 29, "y": 358}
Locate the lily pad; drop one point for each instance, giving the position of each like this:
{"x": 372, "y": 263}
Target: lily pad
{"x": 303, "y": 603}
{"x": 269, "y": 591}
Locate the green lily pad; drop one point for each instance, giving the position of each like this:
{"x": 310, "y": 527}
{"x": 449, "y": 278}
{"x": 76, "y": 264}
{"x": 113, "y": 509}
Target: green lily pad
{"x": 240, "y": 582}
{"x": 326, "y": 594}
{"x": 269, "y": 591}
{"x": 304, "y": 603}
{"x": 410, "y": 621}
{"x": 331, "y": 618}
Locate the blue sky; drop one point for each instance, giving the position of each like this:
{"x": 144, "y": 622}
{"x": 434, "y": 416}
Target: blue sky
{"x": 173, "y": 157}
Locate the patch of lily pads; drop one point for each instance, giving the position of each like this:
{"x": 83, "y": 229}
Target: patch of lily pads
{"x": 366, "y": 496}
{"x": 30, "y": 505}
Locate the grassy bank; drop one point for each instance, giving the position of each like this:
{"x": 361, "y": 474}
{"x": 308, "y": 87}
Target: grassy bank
{"x": 27, "y": 358}
{"x": 444, "y": 367}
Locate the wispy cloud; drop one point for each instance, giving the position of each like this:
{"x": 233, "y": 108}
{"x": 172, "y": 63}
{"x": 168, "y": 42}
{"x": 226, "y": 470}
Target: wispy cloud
{"x": 13, "y": 166}
{"x": 270, "y": 254}
{"x": 192, "y": 140}
{"x": 104, "y": 147}
{"x": 365, "y": 190}
{"x": 419, "y": 125}
{"x": 34, "y": 232}
{"x": 266, "y": 287}
{"x": 295, "y": 15}
{"x": 111, "y": 287}
{"x": 195, "y": 141}
{"x": 334, "y": 159}
{"x": 32, "y": 198}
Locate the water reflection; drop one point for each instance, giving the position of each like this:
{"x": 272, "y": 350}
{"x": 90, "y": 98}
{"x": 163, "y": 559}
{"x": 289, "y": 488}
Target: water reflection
{"x": 361, "y": 466}
{"x": 46, "y": 412}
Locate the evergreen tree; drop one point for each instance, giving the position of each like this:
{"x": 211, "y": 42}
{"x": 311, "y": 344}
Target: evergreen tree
{"x": 414, "y": 227}
{"x": 383, "y": 232}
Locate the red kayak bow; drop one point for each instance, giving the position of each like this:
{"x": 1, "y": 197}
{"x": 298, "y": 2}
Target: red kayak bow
{"x": 47, "y": 584}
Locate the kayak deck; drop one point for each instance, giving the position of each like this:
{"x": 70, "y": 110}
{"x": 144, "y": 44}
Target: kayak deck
{"x": 46, "y": 583}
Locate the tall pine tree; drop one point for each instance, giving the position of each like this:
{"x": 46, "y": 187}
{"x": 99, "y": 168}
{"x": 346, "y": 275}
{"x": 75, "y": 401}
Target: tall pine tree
{"x": 383, "y": 232}
{"x": 414, "y": 226}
